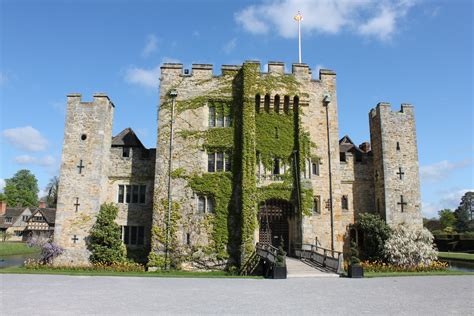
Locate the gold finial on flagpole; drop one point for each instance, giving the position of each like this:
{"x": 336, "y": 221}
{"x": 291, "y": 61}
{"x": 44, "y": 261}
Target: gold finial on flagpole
{"x": 299, "y": 18}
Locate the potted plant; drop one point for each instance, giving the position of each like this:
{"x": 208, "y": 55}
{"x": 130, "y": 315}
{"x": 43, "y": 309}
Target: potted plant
{"x": 355, "y": 269}
{"x": 279, "y": 270}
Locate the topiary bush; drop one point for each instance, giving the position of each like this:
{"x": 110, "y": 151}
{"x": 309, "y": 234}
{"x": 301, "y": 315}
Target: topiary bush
{"x": 105, "y": 242}
{"x": 281, "y": 255}
{"x": 354, "y": 260}
{"x": 410, "y": 246}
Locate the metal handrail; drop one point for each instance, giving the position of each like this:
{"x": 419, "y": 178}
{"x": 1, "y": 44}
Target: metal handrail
{"x": 266, "y": 251}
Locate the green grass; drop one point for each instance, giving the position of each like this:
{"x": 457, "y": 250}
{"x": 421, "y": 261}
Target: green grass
{"x": 456, "y": 255}
{"x": 16, "y": 248}
{"x": 408, "y": 274}
{"x": 162, "y": 274}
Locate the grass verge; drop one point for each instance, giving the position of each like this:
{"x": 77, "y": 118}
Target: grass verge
{"x": 16, "y": 248}
{"x": 408, "y": 274}
{"x": 160, "y": 274}
{"x": 456, "y": 255}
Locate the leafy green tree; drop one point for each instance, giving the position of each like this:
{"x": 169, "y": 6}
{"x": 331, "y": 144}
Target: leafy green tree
{"x": 105, "y": 240}
{"x": 447, "y": 218}
{"x": 375, "y": 232}
{"x": 464, "y": 212}
{"x": 22, "y": 189}
{"x": 52, "y": 192}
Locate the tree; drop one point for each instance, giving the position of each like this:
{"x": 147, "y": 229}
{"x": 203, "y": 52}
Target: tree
{"x": 375, "y": 232}
{"x": 447, "y": 218}
{"x": 22, "y": 189}
{"x": 52, "y": 192}
{"x": 105, "y": 240}
{"x": 464, "y": 212}
{"x": 410, "y": 246}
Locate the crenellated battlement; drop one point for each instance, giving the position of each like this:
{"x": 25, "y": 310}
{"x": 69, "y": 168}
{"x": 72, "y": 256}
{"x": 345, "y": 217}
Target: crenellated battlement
{"x": 302, "y": 71}
{"x": 385, "y": 107}
{"x": 96, "y": 98}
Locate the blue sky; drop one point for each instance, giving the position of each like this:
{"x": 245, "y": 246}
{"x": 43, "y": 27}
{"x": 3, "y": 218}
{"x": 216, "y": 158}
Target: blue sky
{"x": 415, "y": 51}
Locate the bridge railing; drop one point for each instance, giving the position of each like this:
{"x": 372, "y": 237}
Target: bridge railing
{"x": 326, "y": 258}
{"x": 266, "y": 251}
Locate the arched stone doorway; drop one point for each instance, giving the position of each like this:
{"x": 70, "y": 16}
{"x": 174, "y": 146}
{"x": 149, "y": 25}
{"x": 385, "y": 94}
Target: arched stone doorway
{"x": 274, "y": 222}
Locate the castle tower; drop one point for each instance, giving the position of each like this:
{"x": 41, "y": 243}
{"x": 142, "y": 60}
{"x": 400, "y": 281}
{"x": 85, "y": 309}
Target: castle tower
{"x": 83, "y": 177}
{"x": 395, "y": 157}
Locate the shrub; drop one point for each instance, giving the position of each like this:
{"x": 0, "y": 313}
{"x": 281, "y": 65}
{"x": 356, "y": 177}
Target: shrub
{"x": 354, "y": 254}
{"x": 105, "y": 242}
{"x": 409, "y": 246}
{"x": 33, "y": 264}
{"x": 380, "y": 266}
{"x": 375, "y": 232}
{"x": 281, "y": 255}
{"x": 49, "y": 251}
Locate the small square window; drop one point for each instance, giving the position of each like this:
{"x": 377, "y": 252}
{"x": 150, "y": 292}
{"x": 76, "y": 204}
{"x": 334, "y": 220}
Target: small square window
{"x": 126, "y": 152}
{"x": 345, "y": 202}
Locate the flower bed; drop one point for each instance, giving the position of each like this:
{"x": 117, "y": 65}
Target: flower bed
{"x": 380, "y": 266}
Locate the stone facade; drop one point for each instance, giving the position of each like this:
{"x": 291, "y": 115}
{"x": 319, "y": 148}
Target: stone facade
{"x": 250, "y": 148}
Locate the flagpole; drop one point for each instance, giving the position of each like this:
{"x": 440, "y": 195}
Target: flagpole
{"x": 299, "y": 18}
{"x": 299, "y": 41}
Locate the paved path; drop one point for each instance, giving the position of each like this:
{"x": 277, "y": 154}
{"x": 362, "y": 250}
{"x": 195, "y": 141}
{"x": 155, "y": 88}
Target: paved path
{"x": 81, "y": 295}
{"x": 299, "y": 269}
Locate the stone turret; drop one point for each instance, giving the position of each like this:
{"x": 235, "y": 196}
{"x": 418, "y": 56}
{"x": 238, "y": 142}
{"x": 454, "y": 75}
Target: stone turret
{"x": 83, "y": 178}
{"x": 396, "y": 173}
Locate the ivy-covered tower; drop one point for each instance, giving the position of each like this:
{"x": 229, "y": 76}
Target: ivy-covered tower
{"x": 255, "y": 158}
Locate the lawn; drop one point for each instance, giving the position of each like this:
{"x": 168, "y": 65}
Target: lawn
{"x": 408, "y": 274}
{"x": 16, "y": 248}
{"x": 162, "y": 274}
{"x": 456, "y": 255}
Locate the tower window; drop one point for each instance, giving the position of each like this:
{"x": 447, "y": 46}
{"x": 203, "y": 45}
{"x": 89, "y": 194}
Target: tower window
{"x": 205, "y": 204}
{"x": 266, "y": 103}
{"x": 296, "y": 103}
{"x": 286, "y": 104}
{"x": 345, "y": 202}
{"x": 277, "y": 103}
{"x": 317, "y": 204}
{"x": 126, "y": 152}
{"x": 218, "y": 162}
{"x": 342, "y": 157}
{"x": 257, "y": 103}
{"x": 212, "y": 116}
{"x": 276, "y": 166}
{"x": 398, "y": 145}
{"x": 315, "y": 168}
{"x": 131, "y": 194}
{"x": 83, "y": 137}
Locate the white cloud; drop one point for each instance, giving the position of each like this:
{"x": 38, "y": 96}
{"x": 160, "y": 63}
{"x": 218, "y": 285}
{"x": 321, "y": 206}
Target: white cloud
{"x": 46, "y": 161}
{"x": 151, "y": 45}
{"x": 230, "y": 45}
{"x": 25, "y": 138}
{"x": 448, "y": 200}
{"x": 440, "y": 170}
{"x": 375, "y": 18}
{"x": 147, "y": 78}
{"x": 2, "y": 184}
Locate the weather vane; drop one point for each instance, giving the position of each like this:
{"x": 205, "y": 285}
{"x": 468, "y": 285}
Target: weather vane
{"x": 299, "y": 18}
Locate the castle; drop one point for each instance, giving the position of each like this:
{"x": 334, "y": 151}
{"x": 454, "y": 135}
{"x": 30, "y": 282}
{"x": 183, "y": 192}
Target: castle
{"x": 256, "y": 157}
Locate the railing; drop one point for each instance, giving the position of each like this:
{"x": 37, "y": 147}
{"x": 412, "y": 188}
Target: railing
{"x": 266, "y": 252}
{"x": 326, "y": 258}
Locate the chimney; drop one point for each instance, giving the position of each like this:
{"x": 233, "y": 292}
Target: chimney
{"x": 365, "y": 147}
{"x": 3, "y": 207}
{"x": 42, "y": 204}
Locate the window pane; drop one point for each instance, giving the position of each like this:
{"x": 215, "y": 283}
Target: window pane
{"x": 211, "y": 162}
{"x": 220, "y": 162}
{"x": 228, "y": 165}
{"x": 315, "y": 167}
{"x": 212, "y": 116}
{"x": 266, "y": 103}
{"x": 201, "y": 204}
{"x": 228, "y": 120}
{"x": 257, "y": 103}
{"x": 286, "y": 104}
{"x": 210, "y": 205}
{"x": 128, "y": 193}
{"x": 142, "y": 193}
{"x": 277, "y": 103}
{"x": 141, "y": 235}
{"x": 126, "y": 152}
{"x": 220, "y": 118}
{"x": 126, "y": 235}
{"x": 133, "y": 239}
{"x": 121, "y": 193}
{"x": 276, "y": 166}
{"x": 135, "y": 193}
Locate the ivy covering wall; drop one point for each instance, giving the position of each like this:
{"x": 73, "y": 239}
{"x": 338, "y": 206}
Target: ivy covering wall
{"x": 273, "y": 135}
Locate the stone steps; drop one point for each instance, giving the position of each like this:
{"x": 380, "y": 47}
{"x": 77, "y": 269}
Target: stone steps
{"x": 299, "y": 269}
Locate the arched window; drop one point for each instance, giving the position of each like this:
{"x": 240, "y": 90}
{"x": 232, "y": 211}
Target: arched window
{"x": 266, "y": 103}
{"x": 277, "y": 103}
{"x": 286, "y": 104}
{"x": 257, "y": 103}
{"x": 296, "y": 103}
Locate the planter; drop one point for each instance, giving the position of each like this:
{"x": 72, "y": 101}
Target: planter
{"x": 279, "y": 273}
{"x": 355, "y": 271}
